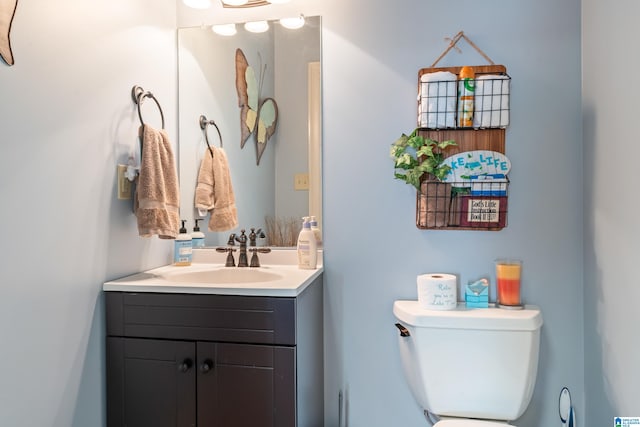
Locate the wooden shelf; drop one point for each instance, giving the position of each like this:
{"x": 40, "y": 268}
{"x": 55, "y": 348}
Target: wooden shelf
{"x": 468, "y": 139}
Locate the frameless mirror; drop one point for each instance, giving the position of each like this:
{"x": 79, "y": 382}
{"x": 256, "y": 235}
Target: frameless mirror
{"x": 286, "y": 184}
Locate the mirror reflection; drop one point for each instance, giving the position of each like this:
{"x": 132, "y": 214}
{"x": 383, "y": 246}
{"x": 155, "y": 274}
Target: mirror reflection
{"x": 286, "y": 184}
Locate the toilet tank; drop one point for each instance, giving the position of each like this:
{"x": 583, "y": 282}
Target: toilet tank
{"x": 470, "y": 363}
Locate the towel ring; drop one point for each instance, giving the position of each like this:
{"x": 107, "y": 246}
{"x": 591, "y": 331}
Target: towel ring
{"x": 138, "y": 94}
{"x": 203, "y": 125}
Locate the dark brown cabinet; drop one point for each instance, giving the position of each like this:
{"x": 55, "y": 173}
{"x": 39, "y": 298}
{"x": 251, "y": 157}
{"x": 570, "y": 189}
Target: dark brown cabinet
{"x": 183, "y": 360}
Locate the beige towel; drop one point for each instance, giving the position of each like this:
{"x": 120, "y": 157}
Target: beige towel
{"x": 214, "y": 191}
{"x": 157, "y": 193}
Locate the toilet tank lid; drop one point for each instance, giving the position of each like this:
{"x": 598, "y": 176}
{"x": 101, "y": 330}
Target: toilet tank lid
{"x": 492, "y": 318}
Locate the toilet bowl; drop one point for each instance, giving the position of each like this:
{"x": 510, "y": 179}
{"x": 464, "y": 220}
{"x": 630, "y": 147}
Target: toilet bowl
{"x": 471, "y": 367}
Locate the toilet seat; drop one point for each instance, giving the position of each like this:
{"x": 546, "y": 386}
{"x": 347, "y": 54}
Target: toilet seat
{"x": 470, "y": 423}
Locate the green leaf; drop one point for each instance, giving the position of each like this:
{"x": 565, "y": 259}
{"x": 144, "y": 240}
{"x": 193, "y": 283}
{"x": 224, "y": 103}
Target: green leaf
{"x": 423, "y": 160}
{"x": 444, "y": 144}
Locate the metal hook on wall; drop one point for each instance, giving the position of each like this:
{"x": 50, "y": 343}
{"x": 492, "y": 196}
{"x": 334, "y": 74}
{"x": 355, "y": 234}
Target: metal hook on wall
{"x": 204, "y": 123}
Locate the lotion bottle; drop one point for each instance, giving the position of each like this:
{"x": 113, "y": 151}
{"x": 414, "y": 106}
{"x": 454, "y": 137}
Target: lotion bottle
{"x": 197, "y": 237}
{"x": 183, "y": 248}
{"x": 307, "y": 247}
{"x": 313, "y": 222}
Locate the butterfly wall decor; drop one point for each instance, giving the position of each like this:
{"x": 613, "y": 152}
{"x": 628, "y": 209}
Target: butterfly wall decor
{"x": 7, "y": 11}
{"x": 259, "y": 117}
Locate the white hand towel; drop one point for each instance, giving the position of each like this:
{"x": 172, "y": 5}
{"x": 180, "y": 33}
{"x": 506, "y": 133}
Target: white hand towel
{"x": 437, "y": 100}
{"x": 491, "y": 102}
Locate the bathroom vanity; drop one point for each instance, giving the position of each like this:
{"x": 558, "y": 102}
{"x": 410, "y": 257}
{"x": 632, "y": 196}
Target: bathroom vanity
{"x": 220, "y": 354}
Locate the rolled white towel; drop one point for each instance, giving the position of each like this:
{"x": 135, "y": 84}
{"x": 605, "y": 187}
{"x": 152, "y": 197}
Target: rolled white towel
{"x": 437, "y": 100}
{"x": 491, "y": 101}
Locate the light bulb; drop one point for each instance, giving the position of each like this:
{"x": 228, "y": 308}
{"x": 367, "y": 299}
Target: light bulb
{"x": 198, "y": 4}
{"x": 224, "y": 29}
{"x": 293, "y": 23}
{"x": 256, "y": 26}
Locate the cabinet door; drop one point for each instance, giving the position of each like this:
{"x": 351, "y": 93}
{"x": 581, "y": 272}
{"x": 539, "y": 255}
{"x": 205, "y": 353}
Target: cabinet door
{"x": 242, "y": 385}
{"x": 150, "y": 383}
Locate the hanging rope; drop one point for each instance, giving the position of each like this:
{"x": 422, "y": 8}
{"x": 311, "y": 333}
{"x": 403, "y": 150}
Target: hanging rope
{"x": 452, "y": 44}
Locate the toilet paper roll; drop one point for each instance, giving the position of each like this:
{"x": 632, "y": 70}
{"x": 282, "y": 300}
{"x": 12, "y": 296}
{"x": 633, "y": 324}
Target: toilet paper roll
{"x": 437, "y": 291}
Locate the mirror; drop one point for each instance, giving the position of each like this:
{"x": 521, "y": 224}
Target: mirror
{"x": 286, "y": 185}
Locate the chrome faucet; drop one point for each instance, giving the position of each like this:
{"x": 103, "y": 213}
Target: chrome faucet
{"x": 242, "y": 257}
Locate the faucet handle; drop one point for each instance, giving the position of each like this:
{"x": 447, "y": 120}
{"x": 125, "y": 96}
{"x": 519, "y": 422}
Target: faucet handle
{"x": 255, "y": 262}
{"x": 254, "y": 235}
{"x": 230, "y": 262}
{"x": 232, "y": 238}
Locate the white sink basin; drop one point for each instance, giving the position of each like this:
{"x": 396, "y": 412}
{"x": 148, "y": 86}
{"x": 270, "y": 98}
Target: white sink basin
{"x": 223, "y": 275}
{"x": 279, "y": 276}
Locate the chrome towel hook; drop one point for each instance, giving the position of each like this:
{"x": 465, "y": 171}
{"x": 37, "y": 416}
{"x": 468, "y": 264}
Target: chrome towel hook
{"x": 138, "y": 94}
{"x": 204, "y": 123}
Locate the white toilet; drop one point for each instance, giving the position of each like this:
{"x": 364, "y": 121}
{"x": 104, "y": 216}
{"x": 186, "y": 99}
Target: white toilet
{"x": 471, "y": 367}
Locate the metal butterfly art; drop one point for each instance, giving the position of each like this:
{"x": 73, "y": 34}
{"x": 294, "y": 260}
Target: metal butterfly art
{"x": 7, "y": 11}
{"x": 259, "y": 117}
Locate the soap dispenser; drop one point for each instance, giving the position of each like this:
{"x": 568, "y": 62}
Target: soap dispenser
{"x": 197, "y": 237}
{"x": 182, "y": 251}
{"x": 307, "y": 246}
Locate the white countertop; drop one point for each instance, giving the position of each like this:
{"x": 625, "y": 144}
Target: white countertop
{"x": 290, "y": 281}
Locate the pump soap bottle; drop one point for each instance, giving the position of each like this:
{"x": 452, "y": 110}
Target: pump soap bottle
{"x": 182, "y": 250}
{"x": 316, "y": 231}
{"x": 197, "y": 237}
{"x": 307, "y": 247}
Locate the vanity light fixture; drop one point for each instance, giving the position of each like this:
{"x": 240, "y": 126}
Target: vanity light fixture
{"x": 293, "y": 23}
{"x": 250, "y": 3}
{"x": 256, "y": 26}
{"x": 235, "y": 3}
{"x": 198, "y": 4}
{"x": 224, "y": 29}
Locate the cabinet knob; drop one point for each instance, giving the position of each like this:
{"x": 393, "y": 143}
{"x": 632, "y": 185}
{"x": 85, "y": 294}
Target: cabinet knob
{"x": 206, "y": 366}
{"x": 185, "y": 365}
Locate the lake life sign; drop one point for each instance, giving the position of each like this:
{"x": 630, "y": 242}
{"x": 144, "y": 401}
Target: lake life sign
{"x": 474, "y": 163}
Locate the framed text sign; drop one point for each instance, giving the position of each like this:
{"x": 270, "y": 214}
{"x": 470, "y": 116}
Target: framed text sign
{"x": 483, "y": 211}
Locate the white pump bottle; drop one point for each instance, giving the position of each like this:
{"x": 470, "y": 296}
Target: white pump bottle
{"x": 307, "y": 247}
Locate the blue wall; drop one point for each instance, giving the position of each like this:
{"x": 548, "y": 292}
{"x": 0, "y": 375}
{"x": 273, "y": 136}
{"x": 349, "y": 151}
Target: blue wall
{"x": 67, "y": 119}
{"x": 611, "y": 233}
{"x": 374, "y": 251}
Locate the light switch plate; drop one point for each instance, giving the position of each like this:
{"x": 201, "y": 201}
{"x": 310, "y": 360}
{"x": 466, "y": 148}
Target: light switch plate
{"x": 301, "y": 181}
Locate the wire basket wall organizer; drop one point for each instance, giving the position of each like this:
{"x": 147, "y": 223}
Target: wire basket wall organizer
{"x": 471, "y": 202}
{"x": 478, "y": 205}
{"x": 439, "y": 97}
